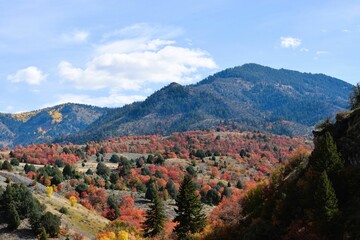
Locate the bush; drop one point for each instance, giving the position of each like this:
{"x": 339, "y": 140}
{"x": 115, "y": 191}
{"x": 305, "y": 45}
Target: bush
{"x": 103, "y": 170}
{"x": 64, "y": 210}
{"x": 6, "y": 166}
{"x": 51, "y": 223}
{"x": 14, "y": 162}
{"x": 59, "y": 162}
{"x": 114, "y": 158}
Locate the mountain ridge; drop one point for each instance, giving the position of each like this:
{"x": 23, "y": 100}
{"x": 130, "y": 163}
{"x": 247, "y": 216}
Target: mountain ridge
{"x": 44, "y": 124}
{"x": 248, "y": 97}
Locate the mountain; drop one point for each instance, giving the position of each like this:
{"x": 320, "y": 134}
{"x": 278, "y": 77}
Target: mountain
{"x": 45, "y": 124}
{"x": 248, "y": 97}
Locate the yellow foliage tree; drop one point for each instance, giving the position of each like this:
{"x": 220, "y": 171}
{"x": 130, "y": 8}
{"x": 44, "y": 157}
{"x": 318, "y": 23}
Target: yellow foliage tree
{"x": 106, "y": 236}
{"x": 49, "y": 191}
{"x": 73, "y": 201}
{"x": 123, "y": 235}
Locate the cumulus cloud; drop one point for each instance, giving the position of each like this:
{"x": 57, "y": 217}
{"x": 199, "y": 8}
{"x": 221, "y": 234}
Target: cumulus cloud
{"x": 290, "y": 42}
{"x": 129, "y": 64}
{"x": 75, "y": 37}
{"x": 30, "y": 75}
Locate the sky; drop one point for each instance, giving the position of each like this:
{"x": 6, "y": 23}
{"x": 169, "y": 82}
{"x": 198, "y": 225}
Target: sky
{"x": 114, "y": 52}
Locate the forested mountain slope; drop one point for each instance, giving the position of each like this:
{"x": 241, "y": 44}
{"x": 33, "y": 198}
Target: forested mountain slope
{"x": 45, "y": 124}
{"x": 249, "y": 97}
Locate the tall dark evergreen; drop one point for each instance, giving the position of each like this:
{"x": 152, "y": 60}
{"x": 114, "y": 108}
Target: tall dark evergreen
{"x": 325, "y": 199}
{"x": 325, "y": 156}
{"x": 190, "y": 217}
{"x": 151, "y": 192}
{"x": 155, "y": 218}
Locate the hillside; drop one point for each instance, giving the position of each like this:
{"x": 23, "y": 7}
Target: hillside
{"x": 45, "y": 124}
{"x": 112, "y": 177}
{"x": 249, "y": 97}
{"x": 77, "y": 220}
{"x": 312, "y": 197}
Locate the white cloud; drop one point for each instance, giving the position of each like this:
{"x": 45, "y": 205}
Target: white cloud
{"x": 322, "y": 52}
{"x": 290, "y": 42}
{"x": 31, "y": 75}
{"x": 113, "y": 100}
{"x": 75, "y": 37}
{"x": 147, "y": 30}
{"x": 129, "y": 64}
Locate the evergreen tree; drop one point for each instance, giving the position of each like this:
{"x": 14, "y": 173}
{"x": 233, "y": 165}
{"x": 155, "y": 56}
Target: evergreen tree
{"x": 239, "y": 185}
{"x": 13, "y": 219}
{"x": 103, "y": 170}
{"x": 6, "y": 166}
{"x": 114, "y": 158}
{"x": 155, "y": 218}
{"x": 189, "y": 210}
{"x": 355, "y": 97}
{"x": 151, "y": 192}
{"x": 68, "y": 171}
{"x": 325, "y": 156}
{"x": 43, "y": 235}
{"x": 113, "y": 204}
{"x": 171, "y": 188}
{"x": 114, "y": 177}
{"x": 325, "y": 198}
{"x": 51, "y": 223}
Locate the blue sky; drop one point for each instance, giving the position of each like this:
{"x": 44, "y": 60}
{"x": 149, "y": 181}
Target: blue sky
{"x": 114, "y": 52}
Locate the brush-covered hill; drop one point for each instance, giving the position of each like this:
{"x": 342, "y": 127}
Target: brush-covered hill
{"x": 45, "y": 124}
{"x": 249, "y": 97}
{"x": 312, "y": 197}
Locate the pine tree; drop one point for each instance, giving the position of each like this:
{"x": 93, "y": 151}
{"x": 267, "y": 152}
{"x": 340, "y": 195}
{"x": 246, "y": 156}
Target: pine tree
{"x": 13, "y": 219}
{"x": 325, "y": 198}
{"x": 155, "y": 218}
{"x": 325, "y": 156}
{"x": 239, "y": 185}
{"x": 150, "y": 191}
{"x": 189, "y": 210}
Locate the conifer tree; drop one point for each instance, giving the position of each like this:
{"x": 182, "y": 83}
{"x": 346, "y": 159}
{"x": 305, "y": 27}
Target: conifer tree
{"x": 189, "y": 210}
{"x": 170, "y": 187}
{"x": 155, "y": 218}
{"x": 355, "y": 97}
{"x": 13, "y": 219}
{"x": 150, "y": 191}
{"x": 43, "y": 235}
{"x": 325, "y": 156}
{"x": 325, "y": 198}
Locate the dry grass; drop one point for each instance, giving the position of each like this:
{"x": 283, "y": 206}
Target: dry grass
{"x": 79, "y": 219}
